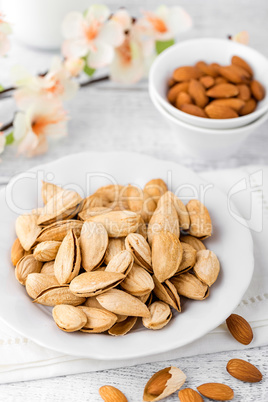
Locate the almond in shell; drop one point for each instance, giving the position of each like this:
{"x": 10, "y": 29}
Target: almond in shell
{"x": 123, "y": 327}
{"x": 207, "y": 267}
{"x": 193, "y": 241}
{"x": 121, "y": 263}
{"x": 69, "y": 318}
{"x": 166, "y": 255}
{"x": 118, "y": 223}
{"x": 115, "y": 246}
{"x": 98, "y": 320}
{"x": 140, "y": 249}
{"x": 27, "y": 230}
{"x": 59, "y": 295}
{"x": 138, "y": 281}
{"x": 120, "y": 302}
{"x": 188, "y": 285}
{"x": 68, "y": 260}
{"x": 38, "y": 282}
{"x": 163, "y": 383}
{"x": 17, "y": 252}
{"x": 94, "y": 283}
{"x": 167, "y": 293}
{"x": 94, "y": 243}
{"x": 27, "y": 265}
{"x": 58, "y": 230}
{"x": 200, "y": 221}
{"x": 46, "y": 251}
{"x": 160, "y": 316}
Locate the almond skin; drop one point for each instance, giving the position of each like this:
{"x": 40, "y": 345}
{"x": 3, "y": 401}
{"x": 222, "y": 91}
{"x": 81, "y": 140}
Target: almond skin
{"x": 243, "y": 370}
{"x": 193, "y": 109}
{"x": 240, "y": 329}
{"x": 220, "y": 80}
{"x": 223, "y": 91}
{"x": 215, "y": 111}
{"x": 175, "y": 90}
{"x": 231, "y": 74}
{"x": 182, "y": 99}
{"x": 249, "y": 107}
{"x": 207, "y": 69}
{"x": 157, "y": 387}
{"x": 198, "y": 93}
{"x": 186, "y": 73}
{"x": 257, "y": 90}
{"x": 238, "y": 61}
{"x": 244, "y": 92}
{"x": 216, "y": 391}
{"x": 189, "y": 395}
{"x": 207, "y": 81}
{"x": 233, "y": 103}
{"x": 111, "y": 394}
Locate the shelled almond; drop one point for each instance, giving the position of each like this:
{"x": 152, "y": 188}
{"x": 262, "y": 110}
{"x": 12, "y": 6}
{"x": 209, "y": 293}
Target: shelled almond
{"x": 215, "y": 91}
{"x": 117, "y": 256}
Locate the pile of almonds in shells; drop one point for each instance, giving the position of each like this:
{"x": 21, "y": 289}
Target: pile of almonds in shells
{"x": 215, "y": 91}
{"x": 119, "y": 254}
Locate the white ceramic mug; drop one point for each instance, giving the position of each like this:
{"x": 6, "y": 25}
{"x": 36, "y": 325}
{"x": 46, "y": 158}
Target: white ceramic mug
{"x": 38, "y": 22}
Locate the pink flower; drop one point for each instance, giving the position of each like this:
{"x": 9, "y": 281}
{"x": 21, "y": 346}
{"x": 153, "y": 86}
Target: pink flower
{"x": 56, "y": 84}
{"x": 91, "y": 35}
{"x": 241, "y": 37}
{"x": 5, "y": 30}
{"x": 166, "y": 23}
{"x": 41, "y": 120}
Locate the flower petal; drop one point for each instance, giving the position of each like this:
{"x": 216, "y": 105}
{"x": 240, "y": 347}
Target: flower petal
{"x": 20, "y": 126}
{"x": 75, "y": 48}
{"x": 123, "y": 18}
{"x": 72, "y": 25}
{"x": 102, "y": 56}
{"x": 98, "y": 12}
{"x": 178, "y": 20}
{"x": 112, "y": 33}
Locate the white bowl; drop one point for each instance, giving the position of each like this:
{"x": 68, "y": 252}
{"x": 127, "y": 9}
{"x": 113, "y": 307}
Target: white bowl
{"x": 209, "y": 50}
{"x": 204, "y": 143}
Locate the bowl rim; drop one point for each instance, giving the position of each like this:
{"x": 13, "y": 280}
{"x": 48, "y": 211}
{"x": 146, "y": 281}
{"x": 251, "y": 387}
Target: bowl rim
{"x": 174, "y": 47}
{"x": 214, "y": 131}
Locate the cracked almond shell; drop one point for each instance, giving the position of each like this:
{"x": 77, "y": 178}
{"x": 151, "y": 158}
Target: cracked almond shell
{"x": 121, "y": 263}
{"x": 118, "y": 223}
{"x": 46, "y": 251}
{"x": 68, "y": 260}
{"x": 140, "y": 249}
{"x": 138, "y": 281}
{"x": 166, "y": 255}
{"x": 200, "y": 221}
{"x": 38, "y": 282}
{"x": 69, "y": 318}
{"x": 94, "y": 242}
{"x": 190, "y": 286}
{"x": 120, "y": 302}
{"x": 160, "y": 316}
{"x": 94, "y": 283}
{"x": 207, "y": 267}
{"x": 59, "y": 295}
{"x": 98, "y": 320}
{"x": 163, "y": 383}
{"x": 27, "y": 265}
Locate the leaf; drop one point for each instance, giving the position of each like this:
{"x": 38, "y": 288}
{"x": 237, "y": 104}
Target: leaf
{"x": 88, "y": 70}
{"x": 10, "y": 138}
{"x": 161, "y": 46}
{"x": 1, "y": 88}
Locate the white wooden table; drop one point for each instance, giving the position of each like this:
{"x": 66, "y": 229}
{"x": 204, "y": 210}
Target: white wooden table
{"x": 111, "y": 117}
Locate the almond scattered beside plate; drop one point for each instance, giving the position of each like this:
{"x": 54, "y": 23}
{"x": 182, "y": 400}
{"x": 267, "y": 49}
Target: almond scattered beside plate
{"x": 240, "y": 329}
{"x": 243, "y": 370}
{"x": 111, "y": 394}
{"x": 216, "y": 391}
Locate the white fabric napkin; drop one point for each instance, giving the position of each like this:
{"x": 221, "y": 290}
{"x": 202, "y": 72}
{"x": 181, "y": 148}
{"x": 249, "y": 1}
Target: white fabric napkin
{"x": 22, "y": 359}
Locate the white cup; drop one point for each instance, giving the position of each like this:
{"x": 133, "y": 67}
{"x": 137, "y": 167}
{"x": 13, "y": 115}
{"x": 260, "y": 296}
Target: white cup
{"x": 37, "y": 23}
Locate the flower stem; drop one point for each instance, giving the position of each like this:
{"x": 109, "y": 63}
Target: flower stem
{"x": 6, "y": 126}
{"x": 4, "y": 91}
{"x": 95, "y": 80}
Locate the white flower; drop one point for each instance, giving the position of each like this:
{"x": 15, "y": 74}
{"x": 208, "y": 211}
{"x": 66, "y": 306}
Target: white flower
{"x": 41, "y": 120}
{"x": 56, "y": 84}
{"x": 166, "y": 23}
{"x": 74, "y": 66}
{"x": 91, "y": 35}
{"x": 5, "y": 30}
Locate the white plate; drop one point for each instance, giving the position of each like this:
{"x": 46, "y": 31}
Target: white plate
{"x": 231, "y": 241}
